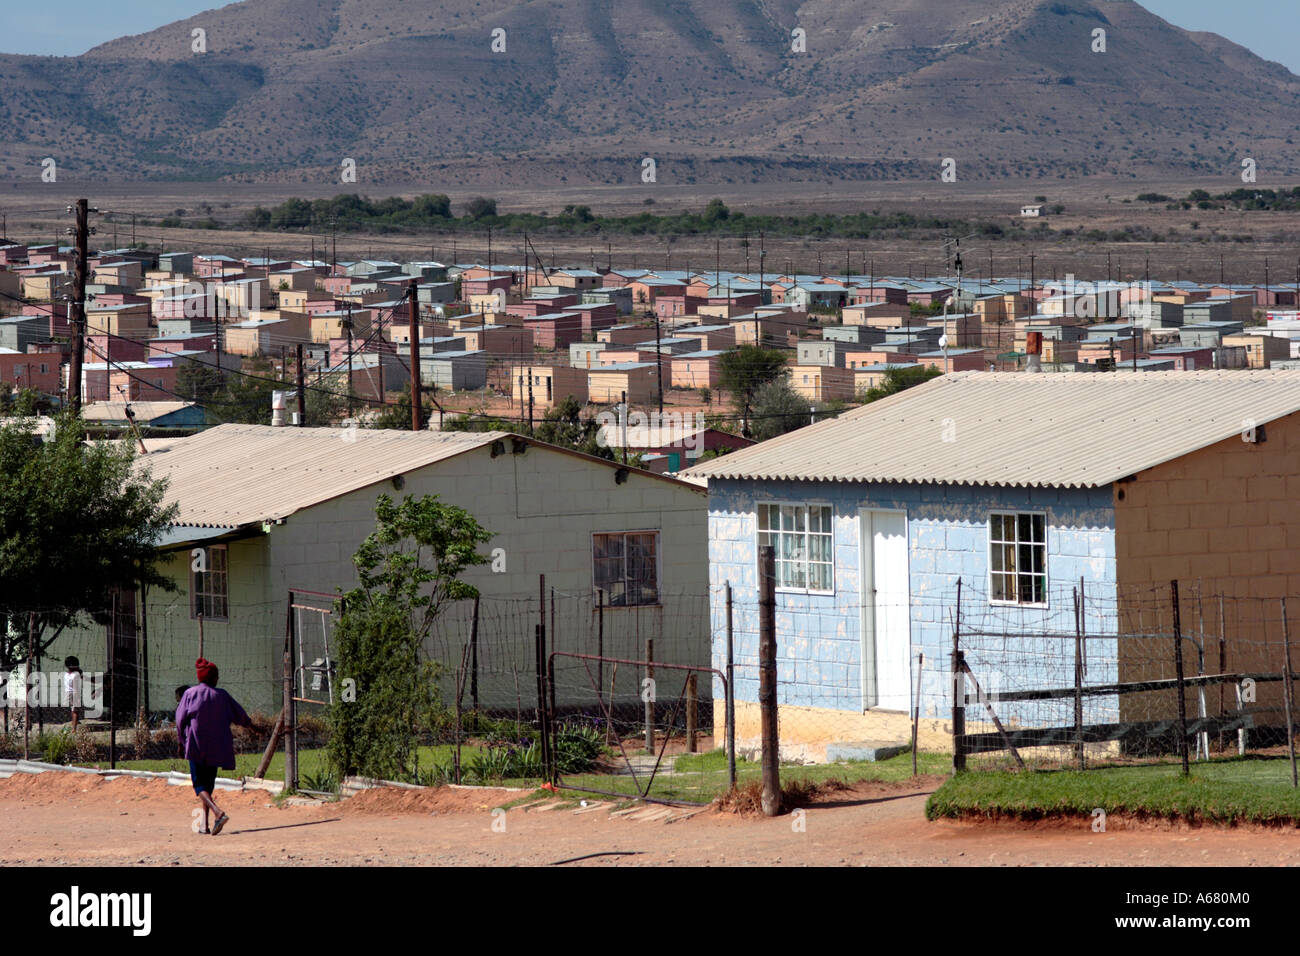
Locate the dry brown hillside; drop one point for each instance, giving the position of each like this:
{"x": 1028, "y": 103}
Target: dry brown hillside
{"x": 710, "y": 88}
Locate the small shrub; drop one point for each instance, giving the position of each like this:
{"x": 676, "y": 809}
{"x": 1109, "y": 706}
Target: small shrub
{"x": 141, "y": 737}
{"x": 323, "y": 782}
{"x": 313, "y": 730}
{"x": 57, "y": 747}
{"x": 257, "y": 736}
{"x": 85, "y": 749}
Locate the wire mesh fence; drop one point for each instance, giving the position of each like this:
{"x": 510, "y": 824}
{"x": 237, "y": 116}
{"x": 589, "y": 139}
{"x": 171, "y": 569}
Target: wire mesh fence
{"x": 107, "y": 693}
{"x": 560, "y": 687}
{"x": 497, "y": 714}
{"x": 1143, "y": 673}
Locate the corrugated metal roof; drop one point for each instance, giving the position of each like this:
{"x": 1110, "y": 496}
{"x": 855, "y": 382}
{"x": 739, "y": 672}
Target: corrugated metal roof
{"x": 1071, "y": 429}
{"x": 116, "y": 411}
{"x": 234, "y": 475}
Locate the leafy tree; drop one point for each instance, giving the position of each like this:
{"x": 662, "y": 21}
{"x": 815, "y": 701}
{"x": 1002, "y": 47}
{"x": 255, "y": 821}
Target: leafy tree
{"x": 25, "y": 402}
{"x": 480, "y": 208}
{"x": 778, "y": 409}
{"x": 77, "y": 521}
{"x": 199, "y": 382}
{"x": 326, "y": 403}
{"x": 714, "y": 453}
{"x": 745, "y": 370}
{"x": 486, "y": 423}
{"x": 564, "y": 425}
{"x": 408, "y": 569}
{"x": 397, "y": 415}
{"x": 899, "y": 379}
{"x": 715, "y": 211}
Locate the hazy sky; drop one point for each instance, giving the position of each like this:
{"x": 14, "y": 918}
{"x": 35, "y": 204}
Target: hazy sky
{"x": 69, "y": 27}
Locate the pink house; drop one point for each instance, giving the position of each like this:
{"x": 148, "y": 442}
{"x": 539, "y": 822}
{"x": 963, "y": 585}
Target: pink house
{"x": 877, "y": 357}
{"x": 485, "y": 286}
{"x": 624, "y": 356}
{"x": 872, "y": 294}
{"x": 672, "y": 306}
{"x": 958, "y": 360}
{"x": 555, "y": 330}
{"x": 30, "y": 370}
{"x": 1186, "y": 359}
{"x": 696, "y": 369}
{"x": 542, "y": 305}
{"x": 622, "y": 334}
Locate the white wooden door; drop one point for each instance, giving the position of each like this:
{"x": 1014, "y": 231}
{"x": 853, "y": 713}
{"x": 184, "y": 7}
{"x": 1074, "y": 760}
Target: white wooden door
{"x": 886, "y": 611}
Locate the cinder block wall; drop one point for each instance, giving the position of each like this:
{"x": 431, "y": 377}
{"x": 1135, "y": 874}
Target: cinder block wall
{"x": 1222, "y": 520}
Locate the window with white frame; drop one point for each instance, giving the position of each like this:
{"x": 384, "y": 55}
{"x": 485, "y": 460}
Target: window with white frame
{"x": 208, "y": 588}
{"x": 802, "y": 538}
{"x": 625, "y": 565}
{"x": 1018, "y": 557}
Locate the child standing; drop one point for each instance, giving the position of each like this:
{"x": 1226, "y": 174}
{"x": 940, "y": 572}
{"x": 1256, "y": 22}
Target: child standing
{"x": 72, "y": 687}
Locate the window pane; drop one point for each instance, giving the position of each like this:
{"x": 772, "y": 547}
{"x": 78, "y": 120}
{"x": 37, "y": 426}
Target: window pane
{"x": 1040, "y": 530}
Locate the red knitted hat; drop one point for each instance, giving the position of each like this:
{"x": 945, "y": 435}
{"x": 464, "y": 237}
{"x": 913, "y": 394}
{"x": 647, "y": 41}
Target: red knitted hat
{"x": 204, "y": 669}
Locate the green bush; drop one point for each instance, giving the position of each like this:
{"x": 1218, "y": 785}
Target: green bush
{"x": 57, "y": 747}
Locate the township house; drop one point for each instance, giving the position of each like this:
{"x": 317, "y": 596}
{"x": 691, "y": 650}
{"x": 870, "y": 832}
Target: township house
{"x": 279, "y": 509}
{"x": 1020, "y": 485}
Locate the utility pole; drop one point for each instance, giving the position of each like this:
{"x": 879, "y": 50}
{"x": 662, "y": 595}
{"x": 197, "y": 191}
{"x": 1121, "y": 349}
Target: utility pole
{"x": 81, "y": 242}
{"x": 348, "y": 323}
{"x": 302, "y": 391}
{"x": 415, "y": 357}
{"x": 529, "y": 370}
{"x": 659, "y": 364}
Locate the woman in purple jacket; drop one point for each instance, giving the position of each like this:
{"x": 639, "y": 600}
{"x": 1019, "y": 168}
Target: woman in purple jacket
{"x": 203, "y": 722}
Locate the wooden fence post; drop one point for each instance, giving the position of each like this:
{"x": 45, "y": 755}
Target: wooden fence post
{"x": 1288, "y": 695}
{"x": 1078, "y": 681}
{"x": 1178, "y": 670}
{"x": 691, "y": 715}
{"x": 916, "y": 708}
{"x": 771, "y": 799}
{"x": 473, "y": 657}
{"x": 730, "y": 703}
{"x": 958, "y": 691}
{"x": 648, "y": 694}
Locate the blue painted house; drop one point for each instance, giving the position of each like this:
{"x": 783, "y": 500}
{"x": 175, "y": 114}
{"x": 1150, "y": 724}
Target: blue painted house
{"x": 1024, "y": 487}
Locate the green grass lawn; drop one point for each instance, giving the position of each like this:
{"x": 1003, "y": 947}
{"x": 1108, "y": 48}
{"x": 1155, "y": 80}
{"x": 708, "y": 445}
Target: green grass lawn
{"x": 1257, "y": 791}
{"x": 700, "y": 778}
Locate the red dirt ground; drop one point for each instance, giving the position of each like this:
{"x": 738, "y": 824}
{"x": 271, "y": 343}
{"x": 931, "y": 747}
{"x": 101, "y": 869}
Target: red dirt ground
{"x": 55, "y": 819}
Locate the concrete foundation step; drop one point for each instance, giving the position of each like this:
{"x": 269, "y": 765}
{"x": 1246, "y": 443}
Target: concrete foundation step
{"x": 872, "y": 750}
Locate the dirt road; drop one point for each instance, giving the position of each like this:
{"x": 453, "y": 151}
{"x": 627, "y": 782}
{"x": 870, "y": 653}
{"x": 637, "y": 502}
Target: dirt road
{"x": 54, "y": 819}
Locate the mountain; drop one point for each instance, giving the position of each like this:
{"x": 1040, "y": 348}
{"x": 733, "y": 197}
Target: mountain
{"x": 288, "y": 89}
